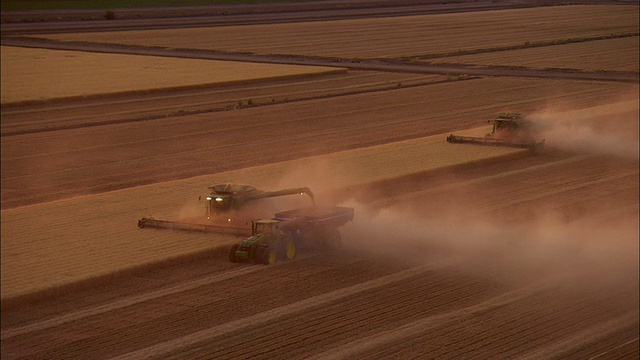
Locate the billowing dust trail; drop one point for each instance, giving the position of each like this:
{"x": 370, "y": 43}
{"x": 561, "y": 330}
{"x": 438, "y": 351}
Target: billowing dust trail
{"x": 610, "y": 129}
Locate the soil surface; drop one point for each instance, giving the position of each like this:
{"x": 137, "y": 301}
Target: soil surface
{"x": 532, "y": 258}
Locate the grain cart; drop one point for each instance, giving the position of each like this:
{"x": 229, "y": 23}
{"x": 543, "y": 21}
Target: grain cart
{"x": 280, "y": 238}
{"x": 510, "y": 130}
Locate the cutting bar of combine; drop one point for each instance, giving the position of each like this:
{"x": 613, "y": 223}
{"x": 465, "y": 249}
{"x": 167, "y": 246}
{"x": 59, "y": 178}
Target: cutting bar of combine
{"x": 532, "y": 145}
{"x": 203, "y": 228}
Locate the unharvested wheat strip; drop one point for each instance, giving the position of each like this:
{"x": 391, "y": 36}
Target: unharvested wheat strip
{"x": 81, "y": 74}
{"x": 29, "y": 249}
{"x": 274, "y": 314}
{"x": 352, "y": 349}
{"x": 68, "y": 317}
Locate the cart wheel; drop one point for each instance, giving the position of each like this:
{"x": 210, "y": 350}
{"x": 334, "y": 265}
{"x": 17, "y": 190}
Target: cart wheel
{"x": 269, "y": 256}
{"x": 289, "y": 249}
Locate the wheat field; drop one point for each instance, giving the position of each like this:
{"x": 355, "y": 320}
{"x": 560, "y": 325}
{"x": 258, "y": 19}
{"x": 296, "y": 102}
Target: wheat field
{"x": 613, "y": 55}
{"x": 40, "y": 74}
{"x": 62, "y": 242}
{"x": 87, "y": 237}
{"x": 392, "y": 37}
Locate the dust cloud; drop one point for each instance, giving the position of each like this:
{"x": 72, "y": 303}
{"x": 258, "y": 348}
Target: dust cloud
{"x": 598, "y": 252}
{"x": 597, "y": 248}
{"x": 593, "y": 248}
{"x": 610, "y": 129}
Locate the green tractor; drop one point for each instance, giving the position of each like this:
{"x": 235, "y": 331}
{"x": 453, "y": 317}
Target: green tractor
{"x": 268, "y": 244}
{"x": 279, "y": 238}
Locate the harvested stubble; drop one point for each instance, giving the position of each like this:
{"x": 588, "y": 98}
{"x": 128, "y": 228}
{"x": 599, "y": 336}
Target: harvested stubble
{"x": 50, "y": 246}
{"x": 391, "y": 37}
{"x": 600, "y": 55}
{"x": 39, "y": 74}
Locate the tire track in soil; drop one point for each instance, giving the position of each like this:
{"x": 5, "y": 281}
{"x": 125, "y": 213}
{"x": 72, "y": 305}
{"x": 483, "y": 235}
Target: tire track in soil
{"x": 504, "y": 332}
{"x": 273, "y": 314}
{"x": 583, "y": 337}
{"x": 540, "y": 330}
{"x": 129, "y": 301}
{"x": 625, "y": 350}
{"x": 378, "y": 308}
{"x": 556, "y": 191}
{"x": 544, "y": 320}
{"x": 21, "y": 120}
{"x": 355, "y": 348}
{"x": 156, "y": 320}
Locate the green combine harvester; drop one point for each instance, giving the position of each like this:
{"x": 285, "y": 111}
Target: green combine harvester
{"x": 509, "y": 130}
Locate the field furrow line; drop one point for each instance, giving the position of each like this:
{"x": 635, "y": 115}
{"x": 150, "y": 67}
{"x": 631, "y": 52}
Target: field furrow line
{"x": 194, "y": 107}
{"x": 507, "y": 323}
{"x": 618, "y": 348}
{"x": 352, "y": 349}
{"x": 554, "y": 191}
{"x": 276, "y": 313}
{"x": 119, "y": 304}
{"x": 583, "y": 337}
{"x": 478, "y": 182}
{"x": 536, "y": 331}
{"x": 378, "y": 309}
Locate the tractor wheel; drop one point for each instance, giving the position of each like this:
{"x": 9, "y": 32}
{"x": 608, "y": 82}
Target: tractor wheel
{"x": 269, "y": 256}
{"x": 232, "y": 252}
{"x": 259, "y": 253}
{"x": 288, "y": 249}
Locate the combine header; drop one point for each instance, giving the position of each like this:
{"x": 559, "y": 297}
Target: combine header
{"x": 509, "y": 130}
{"x": 192, "y": 227}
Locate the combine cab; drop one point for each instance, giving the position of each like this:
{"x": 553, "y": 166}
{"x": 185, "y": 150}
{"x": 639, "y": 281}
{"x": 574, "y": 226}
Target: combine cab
{"x": 509, "y": 130}
{"x": 228, "y": 197}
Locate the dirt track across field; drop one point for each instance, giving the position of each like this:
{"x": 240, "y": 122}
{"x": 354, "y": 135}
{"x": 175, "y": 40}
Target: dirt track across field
{"x": 506, "y": 256}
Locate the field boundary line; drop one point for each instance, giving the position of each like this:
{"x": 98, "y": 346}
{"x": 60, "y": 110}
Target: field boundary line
{"x": 385, "y": 65}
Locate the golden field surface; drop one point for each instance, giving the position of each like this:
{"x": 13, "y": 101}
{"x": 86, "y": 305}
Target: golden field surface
{"x": 613, "y": 54}
{"x": 41, "y": 74}
{"x": 33, "y": 260}
{"x": 392, "y": 37}
{"x": 455, "y": 251}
